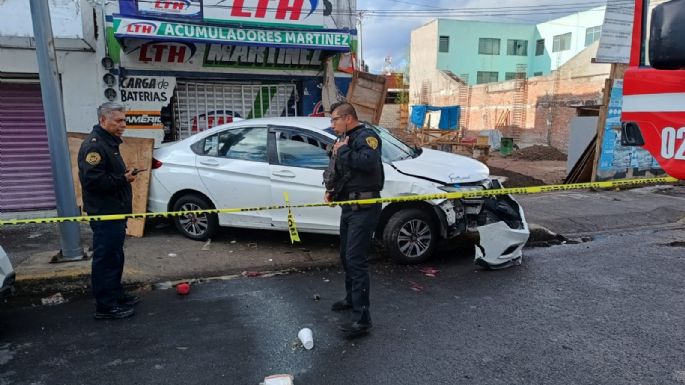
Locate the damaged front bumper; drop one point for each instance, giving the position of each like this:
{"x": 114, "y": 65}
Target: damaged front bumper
{"x": 505, "y": 232}
{"x": 499, "y": 222}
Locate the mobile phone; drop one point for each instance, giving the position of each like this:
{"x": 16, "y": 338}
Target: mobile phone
{"x": 137, "y": 170}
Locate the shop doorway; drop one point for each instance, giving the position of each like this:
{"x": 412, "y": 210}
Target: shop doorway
{"x": 199, "y": 106}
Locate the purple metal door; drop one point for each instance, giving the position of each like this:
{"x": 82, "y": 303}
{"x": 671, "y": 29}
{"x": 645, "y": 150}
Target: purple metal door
{"x": 26, "y": 182}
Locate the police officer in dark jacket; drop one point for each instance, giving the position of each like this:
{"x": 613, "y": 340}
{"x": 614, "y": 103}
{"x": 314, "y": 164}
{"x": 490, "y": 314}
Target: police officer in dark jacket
{"x": 357, "y": 174}
{"x": 106, "y": 189}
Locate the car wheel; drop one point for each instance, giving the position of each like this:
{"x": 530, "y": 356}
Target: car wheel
{"x": 197, "y": 227}
{"x": 410, "y": 236}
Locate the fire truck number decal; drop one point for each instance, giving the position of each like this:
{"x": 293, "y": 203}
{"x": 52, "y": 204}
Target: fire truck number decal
{"x": 673, "y": 143}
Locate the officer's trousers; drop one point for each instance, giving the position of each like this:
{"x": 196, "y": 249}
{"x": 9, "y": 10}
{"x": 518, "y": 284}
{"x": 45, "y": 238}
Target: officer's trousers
{"x": 108, "y": 262}
{"x": 356, "y": 230}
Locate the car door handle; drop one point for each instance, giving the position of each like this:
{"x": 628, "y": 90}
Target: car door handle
{"x": 284, "y": 174}
{"x": 210, "y": 162}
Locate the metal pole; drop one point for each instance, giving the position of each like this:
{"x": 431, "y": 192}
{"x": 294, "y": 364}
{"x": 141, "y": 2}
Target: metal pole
{"x": 360, "y": 51}
{"x": 70, "y": 234}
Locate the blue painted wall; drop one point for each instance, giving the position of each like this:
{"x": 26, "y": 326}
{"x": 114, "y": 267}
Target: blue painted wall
{"x": 463, "y": 56}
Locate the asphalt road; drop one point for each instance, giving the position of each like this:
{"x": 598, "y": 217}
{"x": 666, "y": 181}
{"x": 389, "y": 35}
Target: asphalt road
{"x": 609, "y": 311}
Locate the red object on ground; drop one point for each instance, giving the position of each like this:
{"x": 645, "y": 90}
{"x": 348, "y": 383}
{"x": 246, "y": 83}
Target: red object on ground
{"x": 430, "y": 272}
{"x": 415, "y": 286}
{"x": 183, "y": 288}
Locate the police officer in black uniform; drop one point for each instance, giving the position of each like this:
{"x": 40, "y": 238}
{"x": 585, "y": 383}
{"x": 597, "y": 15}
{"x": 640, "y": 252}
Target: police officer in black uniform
{"x": 106, "y": 189}
{"x": 357, "y": 173}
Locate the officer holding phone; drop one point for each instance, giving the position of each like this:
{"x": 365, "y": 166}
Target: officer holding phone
{"x": 106, "y": 189}
{"x": 355, "y": 172}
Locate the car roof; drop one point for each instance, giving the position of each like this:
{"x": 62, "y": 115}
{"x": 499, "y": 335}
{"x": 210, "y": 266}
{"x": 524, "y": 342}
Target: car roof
{"x": 313, "y": 123}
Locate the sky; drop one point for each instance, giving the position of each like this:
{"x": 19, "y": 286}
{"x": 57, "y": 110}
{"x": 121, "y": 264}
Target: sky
{"x": 386, "y": 32}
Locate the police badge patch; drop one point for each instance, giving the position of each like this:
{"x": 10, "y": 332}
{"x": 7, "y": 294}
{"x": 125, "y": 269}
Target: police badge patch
{"x": 93, "y": 158}
{"x": 372, "y": 142}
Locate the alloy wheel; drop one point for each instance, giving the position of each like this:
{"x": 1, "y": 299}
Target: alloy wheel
{"x": 414, "y": 238}
{"x": 193, "y": 224}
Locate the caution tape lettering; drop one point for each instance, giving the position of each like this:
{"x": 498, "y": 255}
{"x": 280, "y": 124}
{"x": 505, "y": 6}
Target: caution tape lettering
{"x": 407, "y": 198}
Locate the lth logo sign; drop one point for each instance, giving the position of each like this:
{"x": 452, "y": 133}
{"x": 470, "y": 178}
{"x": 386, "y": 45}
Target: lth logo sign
{"x": 290, "y": 12}
{"x": 286, "y": 8}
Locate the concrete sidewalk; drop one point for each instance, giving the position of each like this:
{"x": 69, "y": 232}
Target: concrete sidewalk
{"x": 164, "y": 255}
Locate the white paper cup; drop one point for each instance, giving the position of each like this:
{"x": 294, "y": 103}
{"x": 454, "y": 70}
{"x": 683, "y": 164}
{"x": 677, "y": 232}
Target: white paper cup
{"x": 306, "y": 337}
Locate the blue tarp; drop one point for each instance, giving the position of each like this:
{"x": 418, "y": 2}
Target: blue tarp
{"x": 418, "y": 115}
{"x": 449, "y": 116}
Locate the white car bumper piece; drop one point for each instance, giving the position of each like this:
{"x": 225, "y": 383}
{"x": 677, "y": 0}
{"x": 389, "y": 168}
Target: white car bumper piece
{"x": 501, "y": 246}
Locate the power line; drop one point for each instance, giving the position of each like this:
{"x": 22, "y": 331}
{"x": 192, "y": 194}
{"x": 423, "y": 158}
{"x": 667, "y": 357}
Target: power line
{"x": 416, "y": 4}
{"x": 464, "y": 11}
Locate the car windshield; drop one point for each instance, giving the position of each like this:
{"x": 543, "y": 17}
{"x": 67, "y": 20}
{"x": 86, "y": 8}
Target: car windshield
{"x": 393, "y": 148}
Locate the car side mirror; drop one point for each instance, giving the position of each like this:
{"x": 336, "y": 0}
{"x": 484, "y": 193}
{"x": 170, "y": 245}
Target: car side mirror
{"x": 666, "y": 31}
{"x": 631, "y": 135}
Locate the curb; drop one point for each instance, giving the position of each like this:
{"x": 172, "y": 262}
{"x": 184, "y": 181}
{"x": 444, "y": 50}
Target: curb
{"x": 73, "y": 278}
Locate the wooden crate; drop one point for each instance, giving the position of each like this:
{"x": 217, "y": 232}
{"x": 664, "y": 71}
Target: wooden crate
{"x": 367, "y": 95}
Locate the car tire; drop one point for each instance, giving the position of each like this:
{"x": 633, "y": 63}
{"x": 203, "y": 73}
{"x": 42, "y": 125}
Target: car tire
{"x": 196, "y": 227}
{"x": 410, "y": 236}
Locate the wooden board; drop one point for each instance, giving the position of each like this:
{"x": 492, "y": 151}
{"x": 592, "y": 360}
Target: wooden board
{"x": 367, "y": 94}
{"x": 601, "y": 122}
{"x": 137, "y": 153}
{"x": 582, "y": 170}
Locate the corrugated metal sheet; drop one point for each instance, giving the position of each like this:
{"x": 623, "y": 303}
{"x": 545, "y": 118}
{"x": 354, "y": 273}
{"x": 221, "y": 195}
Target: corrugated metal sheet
{"x": 203, "y": 105}
{"x": 26, "y": 182}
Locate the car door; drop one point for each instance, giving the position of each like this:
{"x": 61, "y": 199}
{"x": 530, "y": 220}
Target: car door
{"x": 297, "y": 166}
{"x": 234, "y": 168}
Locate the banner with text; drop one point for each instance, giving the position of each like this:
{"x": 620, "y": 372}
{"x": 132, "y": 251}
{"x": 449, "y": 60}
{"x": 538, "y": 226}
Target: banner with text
{"x": 173, "y": 8}
{"x": 334, "y": 40}
{"x": 291, "y": 13}
{"x": 617, "y": 31}
{"x": 145, "y": 96}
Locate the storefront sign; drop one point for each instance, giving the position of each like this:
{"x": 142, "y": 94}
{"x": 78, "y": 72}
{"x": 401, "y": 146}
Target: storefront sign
{"x": 323, "y": 39}
{"x": 289, "y": 12}
{"x": 261, "y": 57}
{"x": 145, "y": 96}
{"x": 162, "y": 52}
{"x": 185, "y": 8}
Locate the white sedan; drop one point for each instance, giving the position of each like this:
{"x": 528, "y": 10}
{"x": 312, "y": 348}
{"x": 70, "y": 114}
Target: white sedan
{"x": 251, "y": 163}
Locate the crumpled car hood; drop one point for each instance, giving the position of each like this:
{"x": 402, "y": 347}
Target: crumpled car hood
{"x": 443, "y": 167}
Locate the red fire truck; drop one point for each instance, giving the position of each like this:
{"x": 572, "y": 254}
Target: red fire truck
{"x": 654, "y": 85}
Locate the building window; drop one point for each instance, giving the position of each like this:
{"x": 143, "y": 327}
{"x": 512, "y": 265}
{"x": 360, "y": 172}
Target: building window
{"x": 562, "y": 42}
{"x": 537, "y": 73}
{"x": 488, "y": 46}
{"x": 592, "y": 34}
{"x": 509, "y": 75}
{"x": 444, "y": 44}
{"x": 487, "y": 77}
{"x": 517, "y": 47}
{"x": 540, "y": 47}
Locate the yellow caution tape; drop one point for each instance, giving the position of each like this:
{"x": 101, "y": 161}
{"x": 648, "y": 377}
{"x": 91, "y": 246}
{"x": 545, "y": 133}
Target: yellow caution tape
{"x": 406, "y": 198}
{"x": 292, "y": 228}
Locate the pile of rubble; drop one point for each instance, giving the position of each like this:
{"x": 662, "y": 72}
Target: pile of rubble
{"x": 539, "y": 152}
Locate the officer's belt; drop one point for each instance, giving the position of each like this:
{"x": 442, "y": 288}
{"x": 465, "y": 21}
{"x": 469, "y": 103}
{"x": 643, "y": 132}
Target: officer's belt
{"x": 364, "y": 195}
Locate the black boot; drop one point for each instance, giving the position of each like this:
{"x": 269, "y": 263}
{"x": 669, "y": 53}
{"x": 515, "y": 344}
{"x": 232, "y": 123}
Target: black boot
{"x": 341, "y": 305}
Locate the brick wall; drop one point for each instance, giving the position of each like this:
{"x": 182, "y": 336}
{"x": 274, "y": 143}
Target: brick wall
{"x": 548, "y": 111}
{"x": 390, "y": 117}
{"x": 552, "y": 100}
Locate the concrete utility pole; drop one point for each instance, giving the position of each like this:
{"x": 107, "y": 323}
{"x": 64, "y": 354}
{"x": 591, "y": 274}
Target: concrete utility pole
{"x": 70, "y": 233}
{"x": 360, "y": 51}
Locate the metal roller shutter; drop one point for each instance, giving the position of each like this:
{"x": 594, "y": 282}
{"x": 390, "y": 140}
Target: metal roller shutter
{"x": 203, "y": 105}
{"x": 26, "y": 182}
